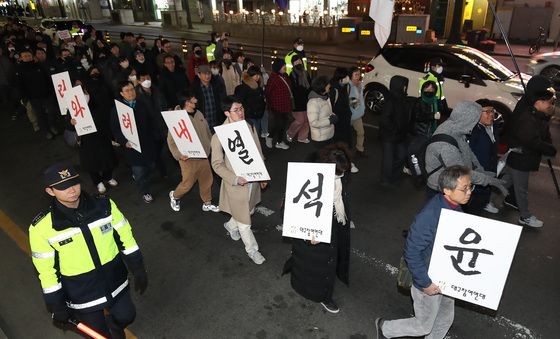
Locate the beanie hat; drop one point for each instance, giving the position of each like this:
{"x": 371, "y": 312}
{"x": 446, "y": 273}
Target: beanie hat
{"x": 539, "y": 88}
{"x": 277, "y": 65}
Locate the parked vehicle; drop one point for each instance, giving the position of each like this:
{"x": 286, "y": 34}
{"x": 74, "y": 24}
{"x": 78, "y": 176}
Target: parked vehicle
{"x": 469, "y": 75}
{"x": 547, "y": 64}
{"x": 52, "y": 25}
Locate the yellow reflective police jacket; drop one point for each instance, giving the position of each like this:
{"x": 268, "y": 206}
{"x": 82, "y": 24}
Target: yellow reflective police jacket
{"x": 210, "y": 51}
{"x": 288, "y": 61}
{"x": 76, "y": 252}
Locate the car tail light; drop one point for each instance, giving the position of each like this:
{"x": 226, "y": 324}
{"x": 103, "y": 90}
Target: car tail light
{"x": 369, "y": 68}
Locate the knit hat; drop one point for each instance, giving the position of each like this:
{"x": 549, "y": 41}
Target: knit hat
{"x": 539, "y": 88}
{"x": 277, "y": 65}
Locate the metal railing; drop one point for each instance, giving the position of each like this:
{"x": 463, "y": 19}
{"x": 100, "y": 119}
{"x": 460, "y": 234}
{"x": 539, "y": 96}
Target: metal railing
{"x": 318, "y": 62}
{"x": 311, "y": 19}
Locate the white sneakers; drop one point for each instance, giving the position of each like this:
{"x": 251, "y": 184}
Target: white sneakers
{"x": 531, "y": 221}
{"x": 268, "y": 142}
{"x": 112, "y": 183}
{"x": 490, "y": 208}
{"x": 101, "y": 188}
{"x": 354, "y": 169}
{"x": 235, "y": 236}
{"x": 304, "y": 141}
{"x": 147, "y": 198}
{"x": 282, "y": 145}
{"x": 208, "y": 207}
{"x": 174, "y": 203}
{"x": 257, "y": 257}
{"x": 289, "y": 138}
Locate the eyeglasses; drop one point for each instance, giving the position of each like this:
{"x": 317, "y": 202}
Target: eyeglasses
{"x": 467, "y": 190}
{"x": 238, "y": 110}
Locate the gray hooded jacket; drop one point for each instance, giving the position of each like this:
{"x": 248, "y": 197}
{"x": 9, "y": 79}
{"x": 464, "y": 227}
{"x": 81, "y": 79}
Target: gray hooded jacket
{"x": 464, "y": 117}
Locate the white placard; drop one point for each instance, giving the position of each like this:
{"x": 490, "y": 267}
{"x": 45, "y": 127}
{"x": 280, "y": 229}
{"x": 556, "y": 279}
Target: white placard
{"x": 65, "y": 34}
{"x": 308, "y": 207}
{"x": 128, "y": 125}
{"x": 62, "y": 84}
{"x": 472, "y": 256}
{"x": 241, "y": 151}
{"x": 79, "y": 110}
{"x": 182, "y": 130}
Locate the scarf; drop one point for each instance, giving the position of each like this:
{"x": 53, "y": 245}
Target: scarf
{"x": 339, "y": 211}
{"x": 301, "y": 77}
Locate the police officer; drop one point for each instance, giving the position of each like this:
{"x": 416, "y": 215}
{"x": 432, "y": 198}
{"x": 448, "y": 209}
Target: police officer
{"x": 298, "y": 49}
{"x": 211, "y": 47}
{"x": 434, "y": 69}
{"x": 75, "y": 248}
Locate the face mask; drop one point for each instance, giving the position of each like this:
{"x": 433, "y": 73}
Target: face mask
{"x": 429, "y": 94}
{"x": 141, "y": 61}
{"x": 197, "y": 52}
{"x": 132, "y": 78}
{"x": 95, "y": 76}
{"x": 227, "y": 62}
{"x": 146, "y": 83}
{"x": 299, "y": 67}
{"x": 299, "y": 48}
{"x": 439, "y": 69}
{"x": 346, "y": 80}
{"x": 215, "y": 71}
{"x": 87, "y": 97}
{"x": 124, "y": 64}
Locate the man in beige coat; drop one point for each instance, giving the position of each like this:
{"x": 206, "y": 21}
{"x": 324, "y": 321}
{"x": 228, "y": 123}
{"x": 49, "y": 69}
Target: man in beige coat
{"x": 237, "y": 196}
{"x": 193, "y": 170}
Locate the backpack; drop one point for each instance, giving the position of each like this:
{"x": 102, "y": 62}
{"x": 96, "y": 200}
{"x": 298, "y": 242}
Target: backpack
{"x": 418, "y": 169}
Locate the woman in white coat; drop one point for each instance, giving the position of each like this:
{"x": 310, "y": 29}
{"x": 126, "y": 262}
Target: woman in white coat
{"x": 319, "y": 113}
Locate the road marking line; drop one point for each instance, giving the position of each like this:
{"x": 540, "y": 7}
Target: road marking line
{"x": 21, "y": 239}
{"x": 15, "y": 233}
{"x": 264, "y": 211}
{"x": 521, "y": 332}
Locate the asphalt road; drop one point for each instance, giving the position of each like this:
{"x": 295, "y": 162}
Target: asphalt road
{"x": 202, "y": 285}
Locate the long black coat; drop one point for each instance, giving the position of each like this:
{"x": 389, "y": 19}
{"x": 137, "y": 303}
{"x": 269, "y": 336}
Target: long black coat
{"x": 530, "y": 132}
{"x": 252, "y": 97}
{"x": 146, "y": 134}
{"x": 173, "y": 85}
{"x": 341, "y": 107}
{"x": 314, "y": 268}
{"x": 96, "y": 151}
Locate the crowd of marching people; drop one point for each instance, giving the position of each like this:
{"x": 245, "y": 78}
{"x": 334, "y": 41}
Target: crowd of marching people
{"x": 448, "y": 151}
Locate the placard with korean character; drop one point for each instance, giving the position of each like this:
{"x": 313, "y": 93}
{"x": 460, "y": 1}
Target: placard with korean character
{"x": 182, "y": 130}
{"x": 308, "y": 206}
{"x": 128, "y": 125}
{"x": 79, "y": 111}
{"x": 241, "y": 151}
{"x": 472, "y": 256}
{"x": 62, "y": 84}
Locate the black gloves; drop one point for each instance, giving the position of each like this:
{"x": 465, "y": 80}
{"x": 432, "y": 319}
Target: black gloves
{"x": 60, "y": 314}
{"x": 140, "y": 280}
{"x": 333, "y": 119}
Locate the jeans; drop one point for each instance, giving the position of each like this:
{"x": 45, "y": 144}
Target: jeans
{"x": 122, "y": 313}
{"x": 299, "y": 127}
{"x": 520, "y": 181}
{"x": 433, "y": 316}
{"x": 259, "y": 125}
{"x": 246, "y": 234}
{"x": 394, "y": 158}
{"x": 141, "y": 175}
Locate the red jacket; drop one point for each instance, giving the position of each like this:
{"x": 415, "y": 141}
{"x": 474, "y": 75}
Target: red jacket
{"x": 278, "y": 93}
{"x": 194, "y": 62}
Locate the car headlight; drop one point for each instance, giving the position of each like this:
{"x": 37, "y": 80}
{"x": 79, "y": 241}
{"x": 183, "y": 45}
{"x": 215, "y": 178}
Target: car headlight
{"x": 516, "y": 95}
